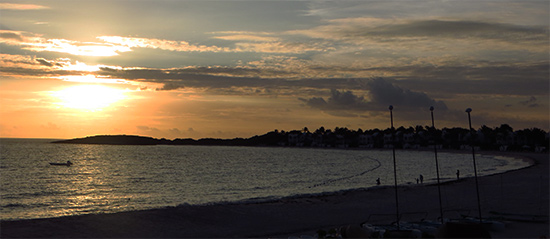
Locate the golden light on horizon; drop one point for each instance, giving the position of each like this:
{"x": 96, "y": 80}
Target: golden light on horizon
{"x": 93, "y": 79}
{"x": 89, "y": 97}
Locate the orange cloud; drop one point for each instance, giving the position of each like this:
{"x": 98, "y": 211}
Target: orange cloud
{"x": 35, "y": 42}
{"x": 247, "y": 37}
{"x": 16, "y": 6}
{"x": 132, "y": 42}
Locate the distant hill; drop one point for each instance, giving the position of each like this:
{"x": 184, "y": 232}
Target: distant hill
{"x": 269, "y": 139}
{"x": 113, "y": 140}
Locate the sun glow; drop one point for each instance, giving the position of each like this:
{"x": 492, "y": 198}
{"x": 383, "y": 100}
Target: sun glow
{"x": 92, "y": 79}
{"x": 89, "y": 97}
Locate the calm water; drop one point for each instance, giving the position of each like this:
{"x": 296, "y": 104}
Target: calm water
{"x": 107, "y": 178}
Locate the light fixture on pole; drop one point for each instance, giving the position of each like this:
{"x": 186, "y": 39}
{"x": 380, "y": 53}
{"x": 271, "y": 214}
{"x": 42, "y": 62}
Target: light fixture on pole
{"x": 436, "y": 163}
{"x": 394, "y": 169}
{"x": 474, "y": 160}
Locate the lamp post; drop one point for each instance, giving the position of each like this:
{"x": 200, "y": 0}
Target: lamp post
{"x": 436, "y": 164}
{"x": 474, "y": 160}
{"x": 394, "y": 169}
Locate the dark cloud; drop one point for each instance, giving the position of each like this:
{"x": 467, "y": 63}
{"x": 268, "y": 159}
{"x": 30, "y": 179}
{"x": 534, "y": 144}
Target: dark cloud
{"x": 381, "y": 94}
{"x": 11, "y": 35}
{"x": 339, "y": 100}
{"x": 512, "y": 79}
{"x": 316, "y": 102}
{"x": 476, "y": 78}
{"x": 346, "y": 98}
{"x": 44, "y": 62}
{"x": 213, "y": 78}
{"x": 384, "y": 92}
{"x": 531, "y": 102}
{"x": 462, "y": 29}
{"x": 443, "y": 81}
{"x": 438, "y": 29}
{"x": 47, "y": 63}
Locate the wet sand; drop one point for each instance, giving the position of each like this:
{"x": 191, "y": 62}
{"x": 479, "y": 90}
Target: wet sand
{"x": 524, "y": 191}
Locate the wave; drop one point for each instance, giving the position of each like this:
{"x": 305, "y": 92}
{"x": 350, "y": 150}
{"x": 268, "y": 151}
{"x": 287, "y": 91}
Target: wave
{"x": 35, "y": 194}
{"x": 22, "y": 205}
{"x": 11, "y": 205}
{"x": 351, "y": 176}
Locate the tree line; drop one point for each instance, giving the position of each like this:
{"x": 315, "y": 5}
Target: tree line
{"x": 498, "y": 138}
{"x": 415, "y": 137}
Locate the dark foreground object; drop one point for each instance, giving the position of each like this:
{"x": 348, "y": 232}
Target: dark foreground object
{"x": 463, "y": 230}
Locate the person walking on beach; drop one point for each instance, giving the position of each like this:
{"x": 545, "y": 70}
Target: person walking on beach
{"x": 457, "y": 174}
{"x": 378, "y": 181}
{"x": 421, "y": 179}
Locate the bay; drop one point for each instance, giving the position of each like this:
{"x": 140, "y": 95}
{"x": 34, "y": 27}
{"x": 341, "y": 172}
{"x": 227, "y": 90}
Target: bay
{"x": 114, "y": 178}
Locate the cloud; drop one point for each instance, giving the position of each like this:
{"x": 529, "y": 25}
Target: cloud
{"x": 282, "y": 47}
{"x": 246, "y": 43}
{"x": 531, "y": 102}
{"x": 477, "y": 78}
{"x": 431, "y": 35}
{"x": 280, "y": 74}
{"x": 16, "y": 6}
{"x": 111, "y": 45}
{"x": 226, "y": 78}
{"x": 459, "y": 29}
{"x": 247, "y": 37}
{"x": 47, "y": 63}
{"x": 381, "y": 94}
{"x": 11, "y": 35}
{"x": 37, "y": 43}
{"x": 28, "y": 66}
{"x": 339, "y": 100}
{"x": 524, "y": 12}
{"x": 164, "y": 133}
{"x": 170, "y": 45}
{"x": 147, "y": 129}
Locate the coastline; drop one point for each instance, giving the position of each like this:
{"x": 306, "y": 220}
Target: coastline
{"x": 521, "y": 191}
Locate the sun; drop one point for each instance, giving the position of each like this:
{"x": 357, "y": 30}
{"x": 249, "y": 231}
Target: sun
{"x": 89, "y": 97}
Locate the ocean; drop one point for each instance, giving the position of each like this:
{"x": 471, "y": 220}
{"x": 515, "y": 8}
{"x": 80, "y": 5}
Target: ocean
{"x": 112, "y": 178}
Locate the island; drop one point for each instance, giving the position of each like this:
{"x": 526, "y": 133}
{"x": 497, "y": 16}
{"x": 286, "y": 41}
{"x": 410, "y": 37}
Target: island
{"x": 144, "y": 140}
{"x": 113, "y": 140}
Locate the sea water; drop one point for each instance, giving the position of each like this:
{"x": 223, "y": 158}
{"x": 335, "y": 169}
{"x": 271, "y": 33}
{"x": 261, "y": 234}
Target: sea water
{"x": 112, "y": 178}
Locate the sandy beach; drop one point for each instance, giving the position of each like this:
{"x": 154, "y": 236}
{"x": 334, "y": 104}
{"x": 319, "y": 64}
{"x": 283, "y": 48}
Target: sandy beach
{"x": 524, "y": 191}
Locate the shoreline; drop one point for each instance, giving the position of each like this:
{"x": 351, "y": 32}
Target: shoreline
{"x": 507, "y": 192}
{"x": 273, "y": 198}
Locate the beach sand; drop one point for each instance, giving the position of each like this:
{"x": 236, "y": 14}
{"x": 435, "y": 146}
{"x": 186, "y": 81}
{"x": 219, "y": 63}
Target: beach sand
{"x": 524, "y": 191}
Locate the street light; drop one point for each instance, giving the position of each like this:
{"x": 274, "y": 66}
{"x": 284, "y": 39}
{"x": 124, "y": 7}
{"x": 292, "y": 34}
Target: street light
{"x": 394, "y": 169}
{"x": 474, "y": 160}
{"x": 436, "y": 163}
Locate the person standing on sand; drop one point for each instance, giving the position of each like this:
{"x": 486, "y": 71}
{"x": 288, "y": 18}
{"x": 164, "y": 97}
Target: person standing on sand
{"x": 457, "y": 174}
{"x": 421, "y": 179}
{"x": 378, "y": 181}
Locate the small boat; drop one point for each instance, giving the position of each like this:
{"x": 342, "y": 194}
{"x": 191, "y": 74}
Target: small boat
{"x": 68, "y": 163}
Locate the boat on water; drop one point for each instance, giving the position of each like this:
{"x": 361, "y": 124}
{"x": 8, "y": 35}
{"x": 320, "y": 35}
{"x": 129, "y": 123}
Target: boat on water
{"x": 68, "y": 163}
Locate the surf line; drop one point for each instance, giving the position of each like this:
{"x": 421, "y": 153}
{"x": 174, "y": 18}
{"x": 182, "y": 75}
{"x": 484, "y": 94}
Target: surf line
{"x": 348, "y": 177}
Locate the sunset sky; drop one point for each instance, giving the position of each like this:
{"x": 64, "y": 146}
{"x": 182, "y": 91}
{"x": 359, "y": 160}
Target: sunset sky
{"x": 225, "y": 69}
